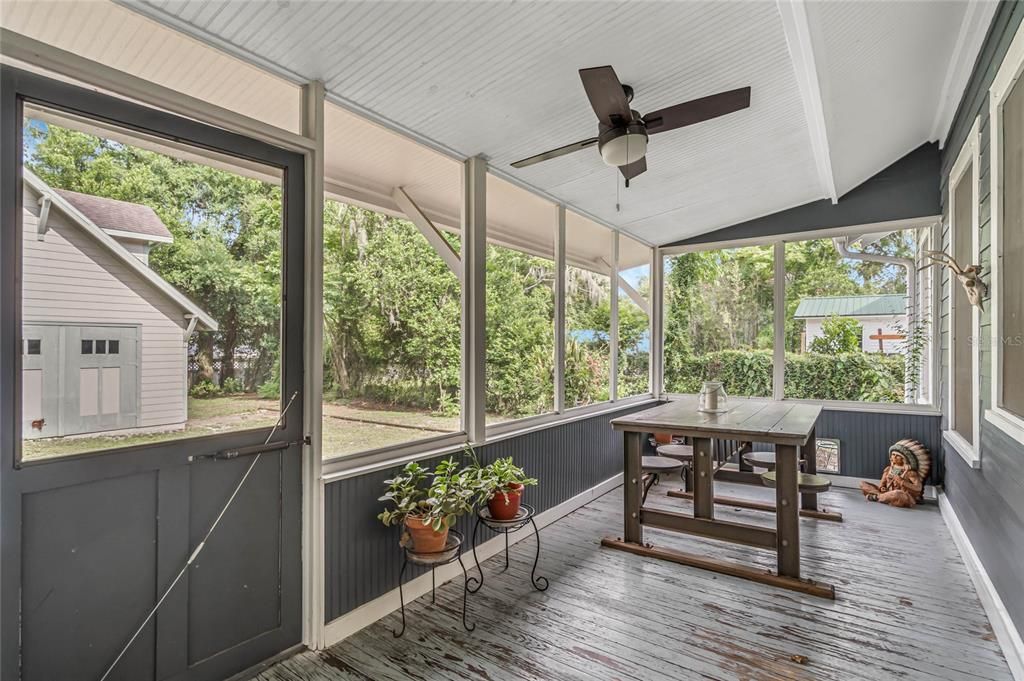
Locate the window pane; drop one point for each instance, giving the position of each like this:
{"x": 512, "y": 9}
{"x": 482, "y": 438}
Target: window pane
{"x": 587, "y": 312}
{"x": 392, "y": 348}
{"x": 634, "y": 318}
{"x": 963, "y": 370}
{"x": 846, "y": 320}
{"x": 193, "y": 235}
{"x": 520, "y": 303}
{"x": 33, "y": 346}
{"x": 718, "y": 320}
{"x": 520, "y": 334}
{"x": 1011, "y": 253}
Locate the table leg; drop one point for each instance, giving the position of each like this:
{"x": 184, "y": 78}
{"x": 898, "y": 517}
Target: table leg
{"x": 633, "y": 531}
{"x": 703, "y": 479}
{"x": 787, "y": 511}
{"x": 809, "y": 453}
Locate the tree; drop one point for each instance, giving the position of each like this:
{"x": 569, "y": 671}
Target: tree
{"x": 838, "y": 335}
{"x": 226, "y": 251}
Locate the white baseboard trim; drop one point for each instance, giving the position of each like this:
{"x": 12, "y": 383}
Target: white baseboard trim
{"x": 1006, "y": 633}
{"x": 341, "y": 628}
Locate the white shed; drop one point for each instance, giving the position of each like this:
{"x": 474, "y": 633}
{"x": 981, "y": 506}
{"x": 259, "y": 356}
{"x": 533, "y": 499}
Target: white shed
{"x": 105, "y": 338}
{"x": 882, "y": 317}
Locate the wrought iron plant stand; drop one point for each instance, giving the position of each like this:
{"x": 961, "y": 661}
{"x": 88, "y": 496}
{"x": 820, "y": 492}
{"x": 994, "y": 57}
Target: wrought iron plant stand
{"x": 449, "y": 554}
{"x": 523, "y": 517}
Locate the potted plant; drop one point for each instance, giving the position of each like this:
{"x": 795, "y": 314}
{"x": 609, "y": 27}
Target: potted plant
{"x": 503, "y": 482}
{"x": 427, "y": 512}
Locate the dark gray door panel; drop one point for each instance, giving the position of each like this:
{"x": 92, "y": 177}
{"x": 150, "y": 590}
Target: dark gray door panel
{"x": 89, "y": 556}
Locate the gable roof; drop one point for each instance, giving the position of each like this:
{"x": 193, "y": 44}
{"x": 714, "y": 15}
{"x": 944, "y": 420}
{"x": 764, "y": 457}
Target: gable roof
{"x": 119, "y": 218}
{"x": 875, "y": 305}
{"x": 110, "y": 243}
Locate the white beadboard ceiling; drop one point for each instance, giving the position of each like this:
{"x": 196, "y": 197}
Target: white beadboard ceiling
{"x": 500, "y": 79}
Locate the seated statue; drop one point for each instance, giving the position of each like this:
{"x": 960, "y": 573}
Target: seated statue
{"x": 902, "y": 482}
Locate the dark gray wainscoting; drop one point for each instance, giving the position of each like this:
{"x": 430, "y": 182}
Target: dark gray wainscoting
{"x": 362, "y": 558}
{"x": 865, "y": 438}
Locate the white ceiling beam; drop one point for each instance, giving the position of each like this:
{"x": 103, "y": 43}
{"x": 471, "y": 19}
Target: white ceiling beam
{"x": 801, "y": 51}
{"x": 973, "y": 29}
{"x": 427, "y": 228}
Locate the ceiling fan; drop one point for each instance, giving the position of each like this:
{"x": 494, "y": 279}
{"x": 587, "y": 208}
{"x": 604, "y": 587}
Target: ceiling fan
{"x": 622, "y": 132}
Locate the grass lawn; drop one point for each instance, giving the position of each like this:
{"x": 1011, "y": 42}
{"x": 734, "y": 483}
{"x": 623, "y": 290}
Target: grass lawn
{"x": 348, "y": 427}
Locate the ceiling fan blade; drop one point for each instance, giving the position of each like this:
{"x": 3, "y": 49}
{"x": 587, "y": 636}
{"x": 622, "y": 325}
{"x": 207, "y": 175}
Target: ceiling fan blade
{"x": 631, "y": 170}
{"x": 555, "y": 153}
{"x": 697, "y": 110}
{"x": 606, "y": 95}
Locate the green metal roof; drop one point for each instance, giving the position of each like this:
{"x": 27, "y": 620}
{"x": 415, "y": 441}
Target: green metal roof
{"x": 852, "y": 306}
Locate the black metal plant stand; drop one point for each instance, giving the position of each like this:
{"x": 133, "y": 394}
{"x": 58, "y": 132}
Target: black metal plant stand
{"x": 451, "y": 552}
{"x": 524, "y": 516}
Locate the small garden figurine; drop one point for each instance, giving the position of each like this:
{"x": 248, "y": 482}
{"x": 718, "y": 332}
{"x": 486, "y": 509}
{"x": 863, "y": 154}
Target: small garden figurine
{"x": 902, "y": 482}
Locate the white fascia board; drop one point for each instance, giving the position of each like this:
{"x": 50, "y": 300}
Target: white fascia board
{"x": 973, "y": 29}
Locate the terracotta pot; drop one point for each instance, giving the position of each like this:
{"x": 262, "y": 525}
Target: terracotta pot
{"x": 424, "y": 538}
{"x": 506, "y": 511}
{"x": 663, "y": 438}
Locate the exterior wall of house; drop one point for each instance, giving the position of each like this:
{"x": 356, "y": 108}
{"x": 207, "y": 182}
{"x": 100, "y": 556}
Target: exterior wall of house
{"x": 139, "y": 249}
{"x": 69, "y": 278}
{"x": 988, "y": 500}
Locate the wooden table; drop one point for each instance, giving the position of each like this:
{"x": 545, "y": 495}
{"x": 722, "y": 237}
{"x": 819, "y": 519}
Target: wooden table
{"x": 789, "y": 426}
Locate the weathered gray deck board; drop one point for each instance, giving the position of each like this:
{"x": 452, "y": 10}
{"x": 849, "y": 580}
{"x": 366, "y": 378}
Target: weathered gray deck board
{"x": 905, "y": 609}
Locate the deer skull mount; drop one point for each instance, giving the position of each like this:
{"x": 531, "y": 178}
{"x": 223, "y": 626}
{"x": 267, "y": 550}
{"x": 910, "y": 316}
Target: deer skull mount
{"x": 970, "y": 276}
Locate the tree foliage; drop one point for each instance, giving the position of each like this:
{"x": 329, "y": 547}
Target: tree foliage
{"x": 391, "y": 308}
{"x": 719, "y": 308}
{"x": 838, "y": 335}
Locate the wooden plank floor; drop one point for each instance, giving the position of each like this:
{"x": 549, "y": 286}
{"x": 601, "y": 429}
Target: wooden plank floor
{"x": 905, "y": 609}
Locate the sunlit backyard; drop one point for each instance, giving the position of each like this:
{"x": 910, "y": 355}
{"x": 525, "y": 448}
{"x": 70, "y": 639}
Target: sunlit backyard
{"x": 347, "y": 426}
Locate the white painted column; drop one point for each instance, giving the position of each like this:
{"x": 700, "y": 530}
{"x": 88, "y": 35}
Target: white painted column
{"x": 312, "y": 126}
{"x": 613, "y": 391}
{"x": 779, "y": 323}
{"x": 474, "y": 297}
{"x": 559, "y": 308}
{"x": 657, "y": 364}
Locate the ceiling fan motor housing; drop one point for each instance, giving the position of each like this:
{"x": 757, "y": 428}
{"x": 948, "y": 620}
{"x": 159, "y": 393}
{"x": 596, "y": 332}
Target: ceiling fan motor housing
{"x": 624, "y": 144}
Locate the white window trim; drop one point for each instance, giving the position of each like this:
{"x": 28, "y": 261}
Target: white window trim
{"x": 1009, "y": 72}
{"x": 969, "y": 159}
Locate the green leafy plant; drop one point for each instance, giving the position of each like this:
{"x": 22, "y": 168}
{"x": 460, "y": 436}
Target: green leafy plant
{"x": 500, "y": 477}
{"x": 915, "y": 342}
{"x": 838, "y": 335}
{"x": 407, "y": 492}
{"x": 231, "y": 386}
{"x": 452, "y": 492}
{"x": 204, "y": 389}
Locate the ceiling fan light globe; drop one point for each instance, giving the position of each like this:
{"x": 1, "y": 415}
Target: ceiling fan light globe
{"x": 623, "y": 146}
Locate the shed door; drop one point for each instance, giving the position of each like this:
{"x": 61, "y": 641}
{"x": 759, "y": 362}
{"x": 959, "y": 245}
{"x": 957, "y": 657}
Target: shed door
{"x": 100, "y": 378}
{"x": 40, "y": 380}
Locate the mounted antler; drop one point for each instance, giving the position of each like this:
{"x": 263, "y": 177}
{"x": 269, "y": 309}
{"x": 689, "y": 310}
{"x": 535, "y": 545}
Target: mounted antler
{"x": 970, "y": 276}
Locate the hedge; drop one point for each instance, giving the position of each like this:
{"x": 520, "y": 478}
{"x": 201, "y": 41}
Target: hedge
{"x": 861, "y": 376}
